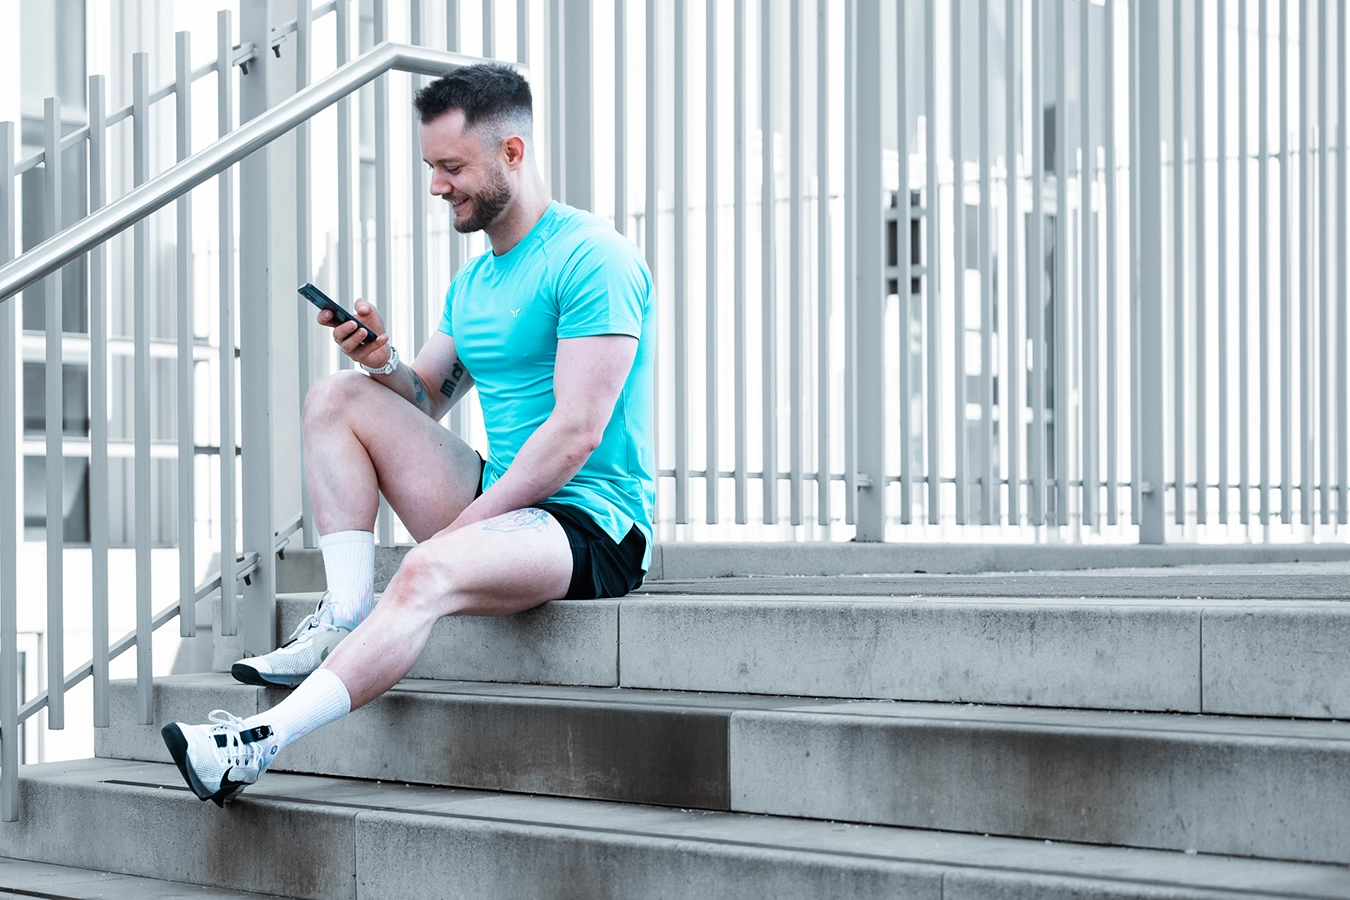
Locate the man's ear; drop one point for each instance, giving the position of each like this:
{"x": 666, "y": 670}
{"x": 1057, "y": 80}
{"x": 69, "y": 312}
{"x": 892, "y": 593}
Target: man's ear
{"x": 513, "y": 151}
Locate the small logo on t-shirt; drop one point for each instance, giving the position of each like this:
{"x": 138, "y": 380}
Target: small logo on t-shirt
{"x": 515, "y": 313}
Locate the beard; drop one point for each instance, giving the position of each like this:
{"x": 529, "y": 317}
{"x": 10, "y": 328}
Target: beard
{"x": 488, "y": 204}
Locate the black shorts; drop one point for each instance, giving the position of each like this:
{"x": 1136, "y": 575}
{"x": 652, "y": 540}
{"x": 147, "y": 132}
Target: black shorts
{"x": 600, "y": 567}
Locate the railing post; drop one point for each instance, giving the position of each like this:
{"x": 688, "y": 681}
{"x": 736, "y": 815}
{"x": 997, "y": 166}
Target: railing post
{"x": 869, "y": 286}
{"x": 258, "y": 614}
{"x": 9, "y": 512}
{"x": 576, "y": 114}
{"x": 1152, "y": 520}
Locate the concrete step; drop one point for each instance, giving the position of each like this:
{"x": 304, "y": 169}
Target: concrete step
{"x": 1239, "y": 657}
{"x": 22, "y": 878}
{"x": 326, "y": 838}
{"x": 1246, "y": 787}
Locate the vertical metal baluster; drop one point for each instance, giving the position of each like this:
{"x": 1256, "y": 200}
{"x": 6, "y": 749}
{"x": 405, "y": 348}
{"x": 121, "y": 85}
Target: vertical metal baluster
{"x": 459, "y": 416}
{"x": 681, "y": 236}
{"x": 738, "y": 175}
{"x": 1036, "y": 281}
{"x": 1263, "y": 251}
{"x": 187, "y": 460}
{"x": 987, "y": 491}
{"x": 870, "y": 303}
{"x": 421, "y": 309}
{"x": 1112, "y": 213}
{"x": 1221, "y": 195}
{"x": 98, "y": 399}
{"x": 304, "y": 263}
{"x": 384, "y": 235}
{"x": 1178, "y": 241}
{"x": 932, "y": 268}
{"x": 710, "y": 305}
{"x": 1087, "y": 180}
{"x": 9, "y": 494}
{"x": 768, "y": 262}
{"x": 229, "y": 622}
{"x": 796, "y": 264}
{"x": 1063, "y": 356}
{"x": 1152, "y": 517}
{"x": 1286, "y": 283}
{"x": 1013, "y": 366}
{"x": 620, "y": 117}
{"x": 1135, "y": 274}
{"x": 904, "y": 264}
{"x": 55, "y": 414}
{"x": 1201, "y": 294}
{"x": 1343, "y": 276}
{"x": 824, "y": 417}
{"x": 557, "y": 97}
{"x": 140, "y": 69}
{"x": 523, "y": 30}
{"x": 958, "y": 277}
{"x": 347, "y": 249}
{"x": 489, "y": 29}
{"x": 1307, "y": 427}
{"x": 1325, "y": 316}
{"x": 850, "y": 298}
{"x": 651, "y": 212}
{"x": 1244, "y": 273}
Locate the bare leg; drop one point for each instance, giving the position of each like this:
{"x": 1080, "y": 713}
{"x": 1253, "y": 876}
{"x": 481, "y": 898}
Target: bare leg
{"x": 504, "y": 565}
{"x": 362, "y": 439}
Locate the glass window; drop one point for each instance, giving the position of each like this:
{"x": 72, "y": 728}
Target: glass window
{"x": 53, "y": 52}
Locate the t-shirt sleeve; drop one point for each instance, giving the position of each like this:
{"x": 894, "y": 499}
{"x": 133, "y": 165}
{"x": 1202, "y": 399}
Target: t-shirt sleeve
{"x": 604, "y": 289}
{"x": 446, "y": 325}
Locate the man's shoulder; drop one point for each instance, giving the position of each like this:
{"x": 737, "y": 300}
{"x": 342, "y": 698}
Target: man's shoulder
{"x": 575, "y": 229}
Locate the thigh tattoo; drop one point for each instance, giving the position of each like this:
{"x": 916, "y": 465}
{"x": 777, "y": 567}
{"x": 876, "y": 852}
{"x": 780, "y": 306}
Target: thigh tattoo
{"x": 520, "y": 520}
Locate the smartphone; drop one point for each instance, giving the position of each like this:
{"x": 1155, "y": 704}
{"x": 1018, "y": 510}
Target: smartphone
{"x": 340, "y": 315}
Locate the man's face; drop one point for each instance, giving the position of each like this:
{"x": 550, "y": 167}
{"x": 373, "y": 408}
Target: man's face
{"x": 469, "y": 176}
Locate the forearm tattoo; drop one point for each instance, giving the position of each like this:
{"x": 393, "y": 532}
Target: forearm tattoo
{"x": 456, "y": 376}
{"x": 419, "y": 390}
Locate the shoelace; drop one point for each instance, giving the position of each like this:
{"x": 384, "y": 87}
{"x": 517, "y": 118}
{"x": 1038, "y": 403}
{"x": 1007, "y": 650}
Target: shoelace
{"x": 311, "y": 624}
{"x": 235, "y": 751}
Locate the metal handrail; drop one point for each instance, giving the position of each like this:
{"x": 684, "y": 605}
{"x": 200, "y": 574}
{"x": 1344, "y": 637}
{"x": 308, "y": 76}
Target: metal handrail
{"x": 158, "y": 192}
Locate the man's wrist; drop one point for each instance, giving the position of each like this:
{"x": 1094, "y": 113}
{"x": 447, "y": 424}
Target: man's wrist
{"x": 388, "y": 367}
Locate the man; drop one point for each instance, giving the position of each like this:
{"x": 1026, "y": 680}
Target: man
{"x": 554, "y": 325}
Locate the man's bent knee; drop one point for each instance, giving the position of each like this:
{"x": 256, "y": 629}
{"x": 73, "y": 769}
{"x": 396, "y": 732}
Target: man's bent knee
{"x": 335, "y": 397}
{"x": 425, "y": 584}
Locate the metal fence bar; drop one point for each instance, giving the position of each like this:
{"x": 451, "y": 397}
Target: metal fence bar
{"x": 55, "y": 426}
{"x": 987, "y": 485}
{"x": 187, "y": 538}
{"x": 933, "y": 306}
{"x": 870, "y": 315}
{"x": 1306, "y": 289}
{"x": 1112, "y": 212}
{"x": 523, "y": 30}
{"x": 850, "y": 299}
{"x": 1343, "y": 269}
{"x": 1286, "y": 283}
{"x": 9, "y": 499}
{"x": 421, "y": 309}
{"x": 823, "y": 406}
{"x": 1062, "y": 252}
{"x": 959, "y": 442}
{"x": 556, "y": 11}
{"x": 1036, "y": 284}
{"x": 1244, "y": 273}
{"x": 1135, "y": 273}
{"x": 1013, "y": 367}
{"x": 904, "y": 263}
{"x": 1325, "y": 311}
{"x": 304, "y": 262}
{"x": 229, "y": 618}
{"x": 712, "y": 387}
{"x": 1201, "y": 295}
{"x": 1221, "y": 195}
{"x": 489, "y": 29}
{"x": 621, "y": 116}
{"x": 140, "y": 69}
{"x": 1178, "y": 242}
{"x": 681, "y": 265}
{"x": 739, "y": 243}
{"x": 1088, "y": 275}
{"x": 346, "y": 264}
{"x": 651, "y": 211}
{"x": 768, "y": 291}
{"x": 1152, "y": 517}
{"x": 98, "y": 402}
{"x": 459, "y": 415}
{"x": 384, "y": 231}
{"x": 797, "y": 266}
{"x": 1263, "y": 243}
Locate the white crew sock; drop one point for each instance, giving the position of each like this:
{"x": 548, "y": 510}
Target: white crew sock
{"x": 349, "y": 564}
{"x": 319, "y": 699}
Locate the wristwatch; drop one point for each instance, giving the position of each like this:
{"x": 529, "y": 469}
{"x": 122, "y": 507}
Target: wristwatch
{"x": 387, "y": 367}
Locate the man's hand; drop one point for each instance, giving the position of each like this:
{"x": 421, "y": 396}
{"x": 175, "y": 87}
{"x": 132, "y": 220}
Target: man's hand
{"x": 348, "y": 335}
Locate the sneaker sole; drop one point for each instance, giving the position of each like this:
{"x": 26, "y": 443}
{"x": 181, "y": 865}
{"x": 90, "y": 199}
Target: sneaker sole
{"x": 178, "y": 747}
{"x": 248, "y": 675}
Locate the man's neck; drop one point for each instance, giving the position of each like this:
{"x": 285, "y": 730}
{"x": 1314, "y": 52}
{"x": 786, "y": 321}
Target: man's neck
{"x": 518, "y": 219}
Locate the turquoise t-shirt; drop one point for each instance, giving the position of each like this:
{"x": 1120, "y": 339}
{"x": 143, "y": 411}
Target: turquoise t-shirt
{"x": 572, "y": 276}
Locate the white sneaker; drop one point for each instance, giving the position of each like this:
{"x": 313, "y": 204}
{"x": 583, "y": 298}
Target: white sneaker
{"x": 220, "y": 759}
{"x": 304, "y": 651}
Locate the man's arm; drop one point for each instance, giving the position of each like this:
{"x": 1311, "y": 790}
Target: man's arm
{"x": 589, "y": 373}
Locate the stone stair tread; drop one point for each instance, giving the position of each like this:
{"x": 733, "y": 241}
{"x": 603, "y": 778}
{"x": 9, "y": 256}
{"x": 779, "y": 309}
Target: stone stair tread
{"x": 23, "y": 878}
{"x": 606, "y": 839}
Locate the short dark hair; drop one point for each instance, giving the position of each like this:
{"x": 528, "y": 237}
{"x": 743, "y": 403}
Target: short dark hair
{"x": 487, "y": 93}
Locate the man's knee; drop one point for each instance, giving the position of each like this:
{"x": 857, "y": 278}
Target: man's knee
{"x": 426, "y": 583}
{"x": 333, "y": 398}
